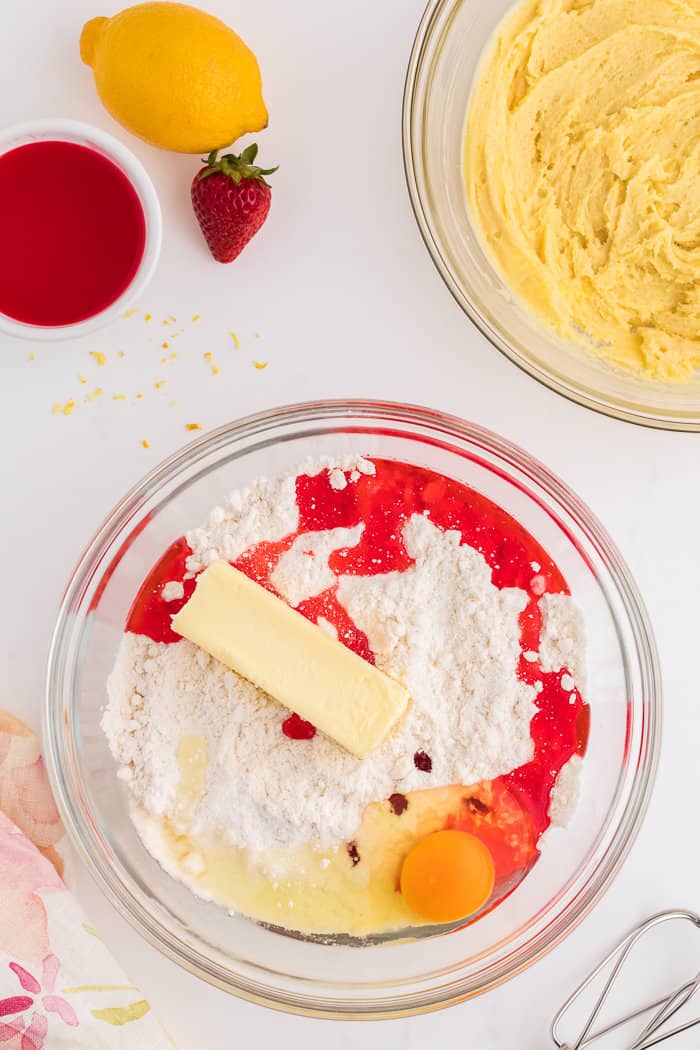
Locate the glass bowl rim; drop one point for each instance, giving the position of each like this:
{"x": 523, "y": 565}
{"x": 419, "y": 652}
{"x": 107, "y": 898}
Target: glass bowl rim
{"x": 305, "y": 1002}
{"x": 417, "y": 76}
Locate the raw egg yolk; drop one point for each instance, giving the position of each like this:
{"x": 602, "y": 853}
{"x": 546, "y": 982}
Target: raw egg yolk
{"x": 447, "y": 876}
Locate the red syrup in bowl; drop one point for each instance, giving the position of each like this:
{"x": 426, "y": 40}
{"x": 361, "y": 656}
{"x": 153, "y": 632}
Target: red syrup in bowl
{"x": 72, "y": 233}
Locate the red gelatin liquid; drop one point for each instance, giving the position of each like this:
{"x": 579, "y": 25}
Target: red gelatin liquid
{"x": 72, "y": 233}
{"x": 509, "y": 813}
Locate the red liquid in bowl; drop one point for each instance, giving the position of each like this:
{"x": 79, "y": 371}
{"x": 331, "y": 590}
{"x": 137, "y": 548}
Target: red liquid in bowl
{"x": 72, "y": 233}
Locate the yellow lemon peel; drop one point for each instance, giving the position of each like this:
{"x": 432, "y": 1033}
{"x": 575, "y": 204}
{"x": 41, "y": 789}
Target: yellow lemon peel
{"x": 216, "y": 96}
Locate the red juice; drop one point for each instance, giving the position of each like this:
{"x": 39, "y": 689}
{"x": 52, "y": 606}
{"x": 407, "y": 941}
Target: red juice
{"x": 72, "y": 233}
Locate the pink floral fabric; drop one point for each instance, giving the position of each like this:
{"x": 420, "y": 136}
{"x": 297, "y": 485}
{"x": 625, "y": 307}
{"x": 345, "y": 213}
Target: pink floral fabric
{"x": 29, "y": 1024}
{"x": 56, "y": 975}
{"x": 25, "y": 795}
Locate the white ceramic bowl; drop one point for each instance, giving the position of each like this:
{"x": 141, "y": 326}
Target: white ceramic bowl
{"x": 58, "y": 129}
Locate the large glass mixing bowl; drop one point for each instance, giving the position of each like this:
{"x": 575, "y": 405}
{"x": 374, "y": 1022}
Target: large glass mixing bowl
{"x": 338, "y": 980}
{"x": 446, "y": 54}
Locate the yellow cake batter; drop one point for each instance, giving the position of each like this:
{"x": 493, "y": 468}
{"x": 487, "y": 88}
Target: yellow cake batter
{"x": 582, "y": 164}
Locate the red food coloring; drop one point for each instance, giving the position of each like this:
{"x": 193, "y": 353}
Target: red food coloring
{"x": 260, "y": 561}
{"x": 323, "y": 507}
{"x": 73, "y": 233}
{"x": 353, "y": 853}
{"x": 398, "y": 803}
{"x": 583, "y": 726}
{"x": 423, "y": 762}
{"x": 150, "y": 614}
{"x": 297, "y": 728}
{"x": 505, "y": 828}
{"x": 555, "y": 734}
{"x": 530, "y": 623}
{"x": 326, "y": 606}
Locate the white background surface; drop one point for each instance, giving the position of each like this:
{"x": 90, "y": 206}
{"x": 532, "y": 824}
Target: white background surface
{"x": 346, "y": 301}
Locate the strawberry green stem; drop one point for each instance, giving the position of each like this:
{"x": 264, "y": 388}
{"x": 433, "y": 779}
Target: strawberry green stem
{"x": 237, "y": 167}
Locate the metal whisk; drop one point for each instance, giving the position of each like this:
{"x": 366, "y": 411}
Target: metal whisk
{"x": 656, "y": 1028}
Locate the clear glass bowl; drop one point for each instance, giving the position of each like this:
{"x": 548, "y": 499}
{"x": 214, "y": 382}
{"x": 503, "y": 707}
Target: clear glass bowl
{"x": 334, "y": 980}
{"x": 446, "y": 54}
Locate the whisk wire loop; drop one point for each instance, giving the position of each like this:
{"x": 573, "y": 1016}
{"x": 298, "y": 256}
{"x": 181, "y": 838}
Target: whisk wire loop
{"x": 663, "y": 1010}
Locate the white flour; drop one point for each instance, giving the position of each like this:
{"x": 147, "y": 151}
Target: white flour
{"x": 561, "y": 643}
{"x": 565, "y": 793}
{"x": 441, "y": 627}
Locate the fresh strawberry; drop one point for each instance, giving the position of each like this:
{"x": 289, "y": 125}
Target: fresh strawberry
{"x": 231, "y": 200}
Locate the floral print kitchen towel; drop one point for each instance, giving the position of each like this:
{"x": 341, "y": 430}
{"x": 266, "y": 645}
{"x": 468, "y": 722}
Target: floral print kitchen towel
{"x": 60, "y": 989}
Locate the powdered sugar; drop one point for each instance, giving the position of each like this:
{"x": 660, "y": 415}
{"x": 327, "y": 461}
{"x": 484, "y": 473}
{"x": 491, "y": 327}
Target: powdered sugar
{"x": 441, "y": 627}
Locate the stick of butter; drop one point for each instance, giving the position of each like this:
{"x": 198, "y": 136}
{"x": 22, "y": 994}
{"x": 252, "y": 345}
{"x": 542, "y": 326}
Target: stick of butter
{"x": 258, "y": 635}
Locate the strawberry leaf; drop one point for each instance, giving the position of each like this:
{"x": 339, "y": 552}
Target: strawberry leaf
{"x": 237, "y": 167}
{"x": 249, "y": 154}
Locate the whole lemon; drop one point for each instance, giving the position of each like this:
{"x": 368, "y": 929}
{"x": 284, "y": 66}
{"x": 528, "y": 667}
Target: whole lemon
{"x": 175, "y": 76}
